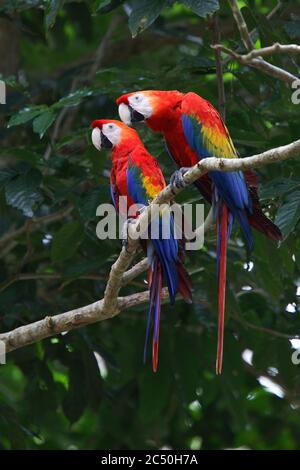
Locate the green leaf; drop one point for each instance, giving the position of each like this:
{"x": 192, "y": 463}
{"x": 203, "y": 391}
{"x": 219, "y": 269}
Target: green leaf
{"x": 23, "y": 193}
{"x": 25, "y": 115}
{"x": 6, "y": 174}
{"x": 278, "y": 187}
{"x": 83, "y": 267}
{"x": 51, "y": 12}
{"x": 293, "y": 28}
{"x": 66, "y": 241}
{"x": 144, "y": 13}
{"x": 89, "y": 203}
{"x": 288, "y": 214}
{"x": 43, "y": 122}
{"x": 202, "y": 8}
{"x": 105, "y": 6}
{"x": 74, "y": 98}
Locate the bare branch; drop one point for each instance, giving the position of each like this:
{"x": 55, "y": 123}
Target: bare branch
{"x": 66, "y": 116}
{"x": 114, "y": 282}
{"x": 53, "y": 325}
{"x": 135, "y": 271}
{"x": 35, "y": 224}
{"x": 252, "y": 58}
{"x": 259, "y": 64}
{"x": 127, "y": 277}
{"x": 274, "y": 49}
{"x": 111, "y": 304}
{"x": 262, "y": 329}
{"x": 241, "y": 24}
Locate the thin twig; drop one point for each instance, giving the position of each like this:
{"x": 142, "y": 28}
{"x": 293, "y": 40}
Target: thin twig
{"x": 35, "y": 223}
{"x": 127, "y": 277}
{"x": 66, "y": 115}
{"x": 256, "y": 61}
{"x": 262, "y": 329}
{"x": 88, "y": 77}
{"x": 276, "y": 48}
{"x": 259, "y": 64}
{"x": 241, "y": 24}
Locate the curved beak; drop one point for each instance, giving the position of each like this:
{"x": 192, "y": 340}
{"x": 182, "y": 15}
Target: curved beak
{"x": 129, "y": 115}
{"x": 100, "y": 140}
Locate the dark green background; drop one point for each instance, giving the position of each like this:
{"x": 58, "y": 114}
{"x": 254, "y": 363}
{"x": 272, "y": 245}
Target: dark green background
{"x": 52, "y": 394}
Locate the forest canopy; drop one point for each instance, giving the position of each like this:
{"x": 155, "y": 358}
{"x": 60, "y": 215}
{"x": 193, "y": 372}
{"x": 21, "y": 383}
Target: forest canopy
{"x": 64, "y": 63}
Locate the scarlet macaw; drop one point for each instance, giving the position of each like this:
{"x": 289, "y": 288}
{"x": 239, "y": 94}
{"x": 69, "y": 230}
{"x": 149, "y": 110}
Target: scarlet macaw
{"x": 137, "y": 175}
{"x": 193, "y": 129}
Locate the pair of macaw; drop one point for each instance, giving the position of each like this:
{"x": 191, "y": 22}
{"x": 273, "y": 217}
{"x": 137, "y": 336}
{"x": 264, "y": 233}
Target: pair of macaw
{"x": 192, "y": 129}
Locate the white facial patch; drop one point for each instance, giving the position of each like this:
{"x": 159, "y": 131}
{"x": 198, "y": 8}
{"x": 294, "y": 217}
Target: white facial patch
{"x": 112, "y": 132}
{"x": 141, "y": 104}
{"x": 124, "y": 114}
{"x": 96, "y": 138}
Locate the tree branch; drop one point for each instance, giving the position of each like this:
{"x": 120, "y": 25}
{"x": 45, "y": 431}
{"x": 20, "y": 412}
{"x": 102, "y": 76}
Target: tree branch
{"x": 241, "y": 24}
{"x": 276, "y": 48}
{"x": 111, "y": 304}
{"x": 62, "y": 125}
{"x": 261, "y": 64}
{"x": 252, "y": 58}
{"x": 128, "y": 276}
{"x": 53, "y": 325}
{"x": 34, "y": 224}
{"x": 263, "y": 329}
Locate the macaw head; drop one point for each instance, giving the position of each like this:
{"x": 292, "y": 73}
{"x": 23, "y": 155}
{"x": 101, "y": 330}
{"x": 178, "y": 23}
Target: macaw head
{"x": 109, "y": 133}
{"x": 151, "y": 106}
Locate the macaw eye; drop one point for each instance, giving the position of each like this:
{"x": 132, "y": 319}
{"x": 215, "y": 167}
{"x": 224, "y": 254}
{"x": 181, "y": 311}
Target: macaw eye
{"x": 110, "y": 126}
{"x": 137, "y": 98}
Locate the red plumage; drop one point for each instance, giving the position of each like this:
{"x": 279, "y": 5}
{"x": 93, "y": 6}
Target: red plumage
{"x": 193, "y": 129}
{"x": 136, "y": 175}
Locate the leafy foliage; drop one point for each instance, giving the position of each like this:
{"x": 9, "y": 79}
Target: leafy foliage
{"x": 89, "y": 388}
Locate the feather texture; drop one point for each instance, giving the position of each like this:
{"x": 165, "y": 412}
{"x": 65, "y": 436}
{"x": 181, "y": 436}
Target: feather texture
{"x": 136, "y": 174}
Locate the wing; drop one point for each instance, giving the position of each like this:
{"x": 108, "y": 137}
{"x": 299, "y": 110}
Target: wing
{"x": 204, "y": 128}
{"x": 208, "y": 136}
{"x": 114, "y": 193}
{"x": 144, "y": 177}
{"x": 144, "y": 181}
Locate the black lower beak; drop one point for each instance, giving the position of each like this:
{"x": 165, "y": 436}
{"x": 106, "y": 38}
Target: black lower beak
{"x": 105, "y": 143}
{"x": 135, "y": 116}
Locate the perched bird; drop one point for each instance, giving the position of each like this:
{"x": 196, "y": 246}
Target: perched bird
{"x": 136, "y": 175}
{"x": 193, "y": 129}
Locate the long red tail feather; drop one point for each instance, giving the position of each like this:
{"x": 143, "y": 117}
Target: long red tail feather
{"x": 156, "y": 322}
{"x": 222, "y": 287}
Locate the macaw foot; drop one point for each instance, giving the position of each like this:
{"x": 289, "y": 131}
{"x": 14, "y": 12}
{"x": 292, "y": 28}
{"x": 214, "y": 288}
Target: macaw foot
{"x": 131, "y": 220}
{"x": 141, "y": 209}
{"x": 177, "y": 180}
{"x": 124, "y": 231}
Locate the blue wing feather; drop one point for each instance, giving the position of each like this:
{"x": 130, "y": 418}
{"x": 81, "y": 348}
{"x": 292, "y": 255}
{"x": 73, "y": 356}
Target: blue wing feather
{"x": 135, "y": 187}
{"x": 165, "y": 248}
{"x": 231, "y": 186}
{"x": 112, "y": 195}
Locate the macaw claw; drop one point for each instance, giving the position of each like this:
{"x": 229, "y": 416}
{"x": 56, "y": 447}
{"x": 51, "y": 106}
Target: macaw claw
{"x": 177, "y": 180}
{"x": 124, "y": 231}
